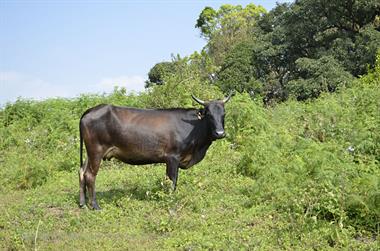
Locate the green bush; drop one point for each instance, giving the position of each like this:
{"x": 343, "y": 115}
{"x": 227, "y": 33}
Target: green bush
{"x": 313, "y": 159}
{"x": 177, "y": 90}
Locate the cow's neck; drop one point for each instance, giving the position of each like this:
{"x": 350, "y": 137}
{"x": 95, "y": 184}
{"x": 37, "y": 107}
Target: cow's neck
{"x": 199, "y": 142}
{"x": 203, "y": 126}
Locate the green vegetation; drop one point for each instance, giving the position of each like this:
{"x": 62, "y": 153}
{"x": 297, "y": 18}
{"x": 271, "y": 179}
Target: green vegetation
{"x": 298, "y": 50}
{"x": 289, "y": 176}
{"x": 295, "y": 176}
{"x": 157, "y": 74}
{"x": 271, "y": 53}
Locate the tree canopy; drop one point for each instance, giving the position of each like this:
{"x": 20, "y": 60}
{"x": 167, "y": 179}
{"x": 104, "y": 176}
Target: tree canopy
{"x": 298, "y": 50}
{"x": 158, "y": 72}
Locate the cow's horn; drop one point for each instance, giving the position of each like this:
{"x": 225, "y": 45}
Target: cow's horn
{"x": 198, "y": 100}
{"x": 225, "y": 100}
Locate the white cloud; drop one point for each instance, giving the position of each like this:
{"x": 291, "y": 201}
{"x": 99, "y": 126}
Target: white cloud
{"x": 131, "y": 83}
{"x": 15, "y": 84}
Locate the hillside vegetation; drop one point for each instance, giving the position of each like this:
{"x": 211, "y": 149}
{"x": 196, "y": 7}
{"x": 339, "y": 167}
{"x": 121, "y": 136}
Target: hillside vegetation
{"x": 293, "y": 176}
{"x": 298, "y": 170}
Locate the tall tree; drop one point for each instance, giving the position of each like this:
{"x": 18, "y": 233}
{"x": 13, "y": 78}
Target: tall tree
{"x": 226, "y": 27}
{"x": 158, "y": 73}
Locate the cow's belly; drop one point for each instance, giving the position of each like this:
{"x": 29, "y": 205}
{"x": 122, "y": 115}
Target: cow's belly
{"x": 134, "y": 156}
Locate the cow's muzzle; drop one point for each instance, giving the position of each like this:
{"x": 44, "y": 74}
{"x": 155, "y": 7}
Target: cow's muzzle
{"x": 219, "y": 134}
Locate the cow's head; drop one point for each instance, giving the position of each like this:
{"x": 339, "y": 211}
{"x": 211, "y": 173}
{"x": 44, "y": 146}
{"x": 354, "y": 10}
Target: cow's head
{"x": 214, "y": 113}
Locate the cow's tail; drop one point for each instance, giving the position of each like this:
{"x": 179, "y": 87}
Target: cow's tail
{"x": 81, "y": 143}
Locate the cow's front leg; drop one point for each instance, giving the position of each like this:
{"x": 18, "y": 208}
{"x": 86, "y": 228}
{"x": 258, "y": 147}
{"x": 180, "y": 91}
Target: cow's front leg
{"x": 172, "y": 170}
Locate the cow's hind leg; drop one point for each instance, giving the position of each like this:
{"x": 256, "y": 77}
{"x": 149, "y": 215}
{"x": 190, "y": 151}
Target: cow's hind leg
{"x": 90, "y": 176}
{"x": 82, "y": 184}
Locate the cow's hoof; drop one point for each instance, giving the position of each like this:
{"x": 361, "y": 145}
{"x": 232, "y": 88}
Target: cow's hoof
{"x": 82, "y": 203}
{"x": 96, "y": 207}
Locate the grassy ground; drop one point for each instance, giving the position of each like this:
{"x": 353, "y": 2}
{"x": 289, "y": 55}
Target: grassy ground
{"x": 211, "y": 209}
{"x": 139, "y": 212}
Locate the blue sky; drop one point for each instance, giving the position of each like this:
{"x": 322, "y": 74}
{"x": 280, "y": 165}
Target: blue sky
{"x": 67, "y": 47}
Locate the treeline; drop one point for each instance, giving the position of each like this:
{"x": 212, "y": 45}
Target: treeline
{"x": 296, "y": 50}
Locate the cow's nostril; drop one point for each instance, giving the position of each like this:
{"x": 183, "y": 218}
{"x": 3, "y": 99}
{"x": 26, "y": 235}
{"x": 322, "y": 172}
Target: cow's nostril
{"x": 220, "y": 133}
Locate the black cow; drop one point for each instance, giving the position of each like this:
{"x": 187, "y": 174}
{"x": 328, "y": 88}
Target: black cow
{"x": 178, "y": 137}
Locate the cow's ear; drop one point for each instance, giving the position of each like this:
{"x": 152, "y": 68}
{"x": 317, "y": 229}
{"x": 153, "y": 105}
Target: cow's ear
{"x": 201, "y": 114}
